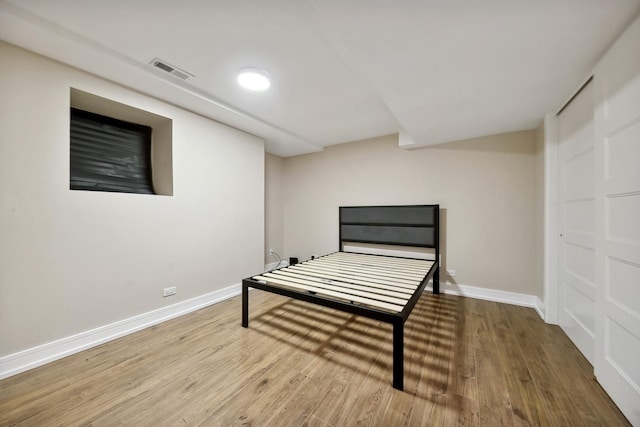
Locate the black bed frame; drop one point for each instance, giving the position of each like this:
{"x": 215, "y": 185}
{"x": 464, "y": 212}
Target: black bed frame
{"x": 405, "y": 225}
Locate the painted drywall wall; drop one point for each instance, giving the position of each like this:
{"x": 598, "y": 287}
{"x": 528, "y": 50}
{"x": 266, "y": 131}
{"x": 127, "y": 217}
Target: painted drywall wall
{"x": 485, "y": 186}
{"x": 75, "y": 260}
{"x": 274, "y": 207}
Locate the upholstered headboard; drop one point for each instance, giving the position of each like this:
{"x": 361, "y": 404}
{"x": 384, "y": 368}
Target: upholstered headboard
{"x": 403, "y": 225}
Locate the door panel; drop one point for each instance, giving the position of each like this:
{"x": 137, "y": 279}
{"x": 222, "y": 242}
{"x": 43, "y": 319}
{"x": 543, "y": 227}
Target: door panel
{"x": 623, "y": 212}
{"x": 577, "y": 222}
{"x": 579, "y": 263}
{"x": 574, "y": 216}
{"x": 617, "y": 153}
{"x": 623, "y": 278}
{"x": 622, "y": 350}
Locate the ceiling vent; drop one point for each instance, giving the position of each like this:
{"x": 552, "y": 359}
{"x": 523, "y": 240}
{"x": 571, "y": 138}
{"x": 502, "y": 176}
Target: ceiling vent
{"x": 168, "y": 68}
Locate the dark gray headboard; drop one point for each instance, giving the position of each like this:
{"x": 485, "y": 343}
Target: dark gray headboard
{"x": 404, "y": 225}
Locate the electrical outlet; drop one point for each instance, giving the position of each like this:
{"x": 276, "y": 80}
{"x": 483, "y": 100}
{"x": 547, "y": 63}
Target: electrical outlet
{"x": 167, "y": 292}
{"x": 451, "y": 273}
{"x": 271, "y": 251}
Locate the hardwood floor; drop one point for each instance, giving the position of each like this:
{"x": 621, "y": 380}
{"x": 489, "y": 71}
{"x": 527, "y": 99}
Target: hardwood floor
{"x": 467, "y": 362}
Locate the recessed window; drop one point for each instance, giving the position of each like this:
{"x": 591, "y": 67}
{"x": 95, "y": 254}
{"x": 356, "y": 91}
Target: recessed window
{"x": 109, "y": 154}
{"x": 115, "y": 147}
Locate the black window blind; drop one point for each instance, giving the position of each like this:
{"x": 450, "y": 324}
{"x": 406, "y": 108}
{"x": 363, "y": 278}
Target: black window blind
{"x": 109, "y": 154}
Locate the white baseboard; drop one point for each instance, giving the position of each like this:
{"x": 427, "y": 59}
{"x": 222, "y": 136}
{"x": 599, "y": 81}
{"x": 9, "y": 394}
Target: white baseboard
{"x": 15, "y": 363}
{"x": 495, "y": 295}
{"x": 540, "y": 308}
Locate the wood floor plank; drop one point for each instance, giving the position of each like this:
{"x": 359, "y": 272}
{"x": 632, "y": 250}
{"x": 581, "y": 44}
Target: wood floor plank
{"x": 525, "y": 400}
{"x": 420, "y": 330}
{"x": 461, "y": 411}
{"x": 179, "y": 370}
{"x": 494, "y": 400}
{"x": 574, "y": 374}
{"x": 120, "y": 382}
{"x": 467, "y": 363}
{"x": 462, "y": 373}
{"x": 297, "y": 408}
{"x": 374, "y": 391}
{"x": 433, "y": 384}
{"x": 346, "y": 368}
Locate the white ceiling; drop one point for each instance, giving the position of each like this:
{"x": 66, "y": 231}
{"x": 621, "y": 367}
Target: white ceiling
{"x": 342, "y": 70}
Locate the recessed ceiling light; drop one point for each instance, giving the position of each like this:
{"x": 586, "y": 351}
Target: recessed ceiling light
{"x": 253, "y": 79}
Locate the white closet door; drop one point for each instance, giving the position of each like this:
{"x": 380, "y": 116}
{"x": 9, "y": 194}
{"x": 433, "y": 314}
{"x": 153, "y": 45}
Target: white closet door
{"x": 577, "y": 221}
{"x": 617, "y": 136}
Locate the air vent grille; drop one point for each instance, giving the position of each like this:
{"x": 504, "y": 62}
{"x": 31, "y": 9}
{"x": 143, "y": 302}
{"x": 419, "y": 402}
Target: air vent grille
{"x": 174, "y": 71}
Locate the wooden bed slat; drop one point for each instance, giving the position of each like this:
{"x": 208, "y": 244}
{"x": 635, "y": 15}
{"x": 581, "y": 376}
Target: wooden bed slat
{"x": 383, "y": 260}
{"x": 356, "y": 278}
{"x": 408, "y": 289}
{"x": 373, "y": 262}
{"x": 386, "y": 259}
{"x": 414, "y": 271}
{"x": 405, "y": 283}
{"x": 408, "y": 262}
{"x": 383, "y": 272}
{"x": 347, "y": 297}
{"x": 376, "y": 265}
{"x": 338, "y": 288}
{"x": 346, "y": 285}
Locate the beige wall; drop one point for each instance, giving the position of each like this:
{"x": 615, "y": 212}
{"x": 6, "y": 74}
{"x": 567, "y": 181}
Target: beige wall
{"x": 485, "y": 186}
{"x": 74, "y": 260}
{"x": 274, "y": 207}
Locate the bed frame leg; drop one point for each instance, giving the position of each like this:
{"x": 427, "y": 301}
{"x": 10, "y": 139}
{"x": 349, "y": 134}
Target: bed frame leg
{"x": 398, "y": 355}
{"x": 436, "y": 281}
{"x": 245, "y": 305}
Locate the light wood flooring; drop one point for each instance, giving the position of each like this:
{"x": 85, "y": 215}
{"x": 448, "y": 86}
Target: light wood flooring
{"x": 467, "y": 362}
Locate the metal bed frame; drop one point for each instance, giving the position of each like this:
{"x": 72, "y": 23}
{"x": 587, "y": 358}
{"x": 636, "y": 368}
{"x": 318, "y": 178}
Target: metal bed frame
{"x": 405, "y": 225}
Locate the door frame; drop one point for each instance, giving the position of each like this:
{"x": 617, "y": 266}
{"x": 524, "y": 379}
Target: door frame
{"x": 551, "y": 244}
{"x": 551, "y": 290}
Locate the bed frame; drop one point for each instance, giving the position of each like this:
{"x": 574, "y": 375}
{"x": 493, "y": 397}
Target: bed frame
{"x": 350, "y": 281}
